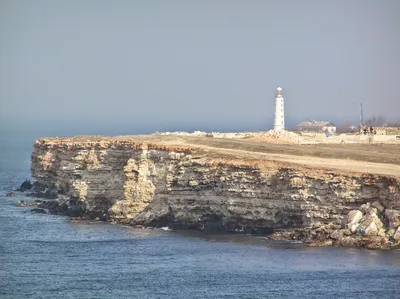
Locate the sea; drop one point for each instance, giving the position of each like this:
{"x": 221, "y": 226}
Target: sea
{"x": 50, "y": 256}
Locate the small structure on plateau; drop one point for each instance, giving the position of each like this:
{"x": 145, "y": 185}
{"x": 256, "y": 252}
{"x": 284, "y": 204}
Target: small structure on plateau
{"x": 316, "y": 126}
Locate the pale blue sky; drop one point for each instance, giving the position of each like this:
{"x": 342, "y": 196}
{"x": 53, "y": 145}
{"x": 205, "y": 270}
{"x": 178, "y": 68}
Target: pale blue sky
{"x": 211, "y": 65}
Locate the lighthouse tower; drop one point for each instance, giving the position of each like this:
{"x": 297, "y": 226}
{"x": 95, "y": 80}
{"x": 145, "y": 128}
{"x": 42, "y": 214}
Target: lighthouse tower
{"x": 279, "y": 121}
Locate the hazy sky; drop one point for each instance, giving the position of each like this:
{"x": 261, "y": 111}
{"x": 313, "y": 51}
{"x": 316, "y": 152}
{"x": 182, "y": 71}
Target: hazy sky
{"x": 210, "y": 64}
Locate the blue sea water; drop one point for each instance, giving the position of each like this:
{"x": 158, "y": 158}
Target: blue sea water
{"x": 47, "y": 256}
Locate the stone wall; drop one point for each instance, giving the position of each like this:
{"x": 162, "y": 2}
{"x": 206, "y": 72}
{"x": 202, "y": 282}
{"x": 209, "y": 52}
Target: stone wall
{"x": 387, "y": 130}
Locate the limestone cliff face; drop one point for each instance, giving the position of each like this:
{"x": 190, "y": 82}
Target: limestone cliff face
{"x": 153, "y": 184}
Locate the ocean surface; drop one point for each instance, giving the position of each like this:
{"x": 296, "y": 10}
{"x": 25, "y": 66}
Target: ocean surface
{"x": 47, "y": 256}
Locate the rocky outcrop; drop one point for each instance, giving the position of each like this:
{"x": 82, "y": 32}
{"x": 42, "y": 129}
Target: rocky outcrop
{"x": 370, "y": 226}
{"x": 154, "y": 184}
{"x": 38, "y": 211}
{"x": 26, "y": 185}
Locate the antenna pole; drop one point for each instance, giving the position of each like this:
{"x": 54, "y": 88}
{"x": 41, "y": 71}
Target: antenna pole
{"x": 361, "y": 115}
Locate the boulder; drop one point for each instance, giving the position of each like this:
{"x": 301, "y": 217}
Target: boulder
{"x": 10, "y": 194}
{"x": 396, "y": 235}
{"x": 372, "y": 211}
{"x": 360, "y": 230}
{"x": 26, "y": 185}
{"x": 337, "y": 234}
{"x": 327, "y": 242}
{"x": 50, "y": 193}
{"x": 393, "y": 218}
{"x": 38, "y": 187}
{"x": 347, "y": 232}
{"x": 354, "y": 217}
{"x": 371, "y": 225}
{"x": 38, "y": 211}
{"x": 73, "y": 207}
{"x": 377, "y": 242}
{"x": 23, "y": 203}
{"x": 353, "y": 228}
{"x": 365, "y": 207}
{"x": 350, "y": 241}
{"x": 52, "y": 205}
{"x": 378, "y": 206}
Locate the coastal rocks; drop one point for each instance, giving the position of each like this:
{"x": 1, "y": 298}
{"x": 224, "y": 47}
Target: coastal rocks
{"x": 370, "y": 226}
{"x": 369, "y": 230}
{"x": 38, "y": 211}
{"x": 23, "y": 203}
{"x": 319, "y": 235}
{"x": 353, "y": 218}
{"x": 53, "y": 206}
{"x": 396, "y": 235}
{"x": 393, "y": 217}
{"x": 70, "y": 207}
{"x": 26, "y": 185}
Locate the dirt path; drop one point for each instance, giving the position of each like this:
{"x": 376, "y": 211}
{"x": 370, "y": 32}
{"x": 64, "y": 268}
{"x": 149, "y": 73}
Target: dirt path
{"x": 346, "y": 165}
{"x": 327, "y": 163}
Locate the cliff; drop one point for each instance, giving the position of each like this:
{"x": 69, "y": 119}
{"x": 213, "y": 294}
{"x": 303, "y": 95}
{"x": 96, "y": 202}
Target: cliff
{"x": 158, "y": 181}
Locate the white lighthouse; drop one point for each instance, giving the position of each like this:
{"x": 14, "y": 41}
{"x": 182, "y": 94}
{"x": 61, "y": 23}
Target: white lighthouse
{"x": 279, "y": 121}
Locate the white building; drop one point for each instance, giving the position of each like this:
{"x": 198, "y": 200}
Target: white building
{"x": 279, "y": 120}
{"x": 316, "y": 126}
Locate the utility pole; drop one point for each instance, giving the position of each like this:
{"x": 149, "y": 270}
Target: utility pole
{"x": 361, "y": 115}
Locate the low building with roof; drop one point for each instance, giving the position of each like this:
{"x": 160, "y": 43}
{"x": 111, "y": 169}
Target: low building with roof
{"x": 316, "y": 126}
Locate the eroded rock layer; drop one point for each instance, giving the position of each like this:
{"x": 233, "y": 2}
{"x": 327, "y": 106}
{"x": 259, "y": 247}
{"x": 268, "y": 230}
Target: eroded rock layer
{"x": 152, "y": 184}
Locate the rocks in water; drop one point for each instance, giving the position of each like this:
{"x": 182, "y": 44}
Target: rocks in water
{"x": 51, "y": 205}
{"x": 38, "y": 211}
{"x": 10, "y": 194}
{"x": 70, "y": 207}
{"x": 320, "y": 236}
{"x": 396, "y": 236}
{"x": 365, "y": 221}
{"x": 377, "y": 242}
{"x": 370, "y": 226}
{"x": 23, "y": 203}
{"x": 38, "y": 187}
{"x": 370, "y": 230}
{"x": 73, "y": 207}
{"x": 41, "y": 191}
{"x": 26, "y": 185}
{"x": 50, "y": 193}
